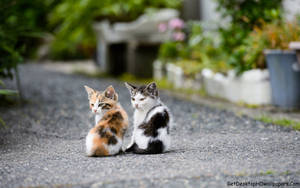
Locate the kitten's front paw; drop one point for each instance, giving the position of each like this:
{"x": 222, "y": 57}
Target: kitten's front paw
{"x": 129, "y": 148}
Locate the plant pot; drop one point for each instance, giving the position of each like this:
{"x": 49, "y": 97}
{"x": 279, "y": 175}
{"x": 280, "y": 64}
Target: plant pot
{"x": 178, "y": 79}
{"x": 176, "y": 76}
{"x": 170, "y": 72}
{"x": 192, "y": 83}
{"x": 252, "y": 87}
{"x": 214, "y": 84}
{"x": 296, "y": 46}
{"x": 285, "y": 78}
{"x": 158, "y": 70}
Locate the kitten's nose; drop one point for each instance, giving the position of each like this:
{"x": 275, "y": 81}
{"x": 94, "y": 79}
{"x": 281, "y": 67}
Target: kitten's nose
{"x": 136, "y": 105}
{"x": 95, "y": 110}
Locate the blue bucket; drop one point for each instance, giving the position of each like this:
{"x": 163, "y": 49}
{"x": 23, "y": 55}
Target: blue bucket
{"x": 285, "y": 78}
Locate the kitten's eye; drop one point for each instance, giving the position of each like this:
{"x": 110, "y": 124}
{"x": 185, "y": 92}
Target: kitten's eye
{"x": 92, "y": 104}
{"x": 132, "y": 99}
{"x": 99, "y": 105}
{"x": 142, "y": 99}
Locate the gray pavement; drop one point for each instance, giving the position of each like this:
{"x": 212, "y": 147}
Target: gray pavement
{"x": 43, "y": 144}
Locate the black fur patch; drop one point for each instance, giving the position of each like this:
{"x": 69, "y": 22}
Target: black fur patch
{"x": 113, "y": 130}
{"x": 146, "y": 92}
{"x": 112, "y": 140}
{"x": 154, "y": 147}
{"x": 102, "y": 132}
{"x": 116, "y": 117}
{"x": 159, "y": 120}
{"x": 141, "y": 88}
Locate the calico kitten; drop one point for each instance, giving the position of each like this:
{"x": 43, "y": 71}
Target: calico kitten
{"x": 151, "y": 121}
{"x": 106, "y": 138}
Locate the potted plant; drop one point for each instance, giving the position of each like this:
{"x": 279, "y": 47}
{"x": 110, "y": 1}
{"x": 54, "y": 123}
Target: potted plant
{"x": 282, "y": 63}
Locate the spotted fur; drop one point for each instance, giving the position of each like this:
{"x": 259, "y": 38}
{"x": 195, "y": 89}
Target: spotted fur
{"x": 151, "y": 121}
{"x": 106, "y": 137}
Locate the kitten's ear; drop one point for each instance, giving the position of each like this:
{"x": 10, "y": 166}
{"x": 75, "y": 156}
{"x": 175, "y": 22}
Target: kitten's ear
{"x": 130, "y": 87}
{"x": 111, "y": 93}
{"x": 89, "y": 91}
{"x": 151, "y": 88}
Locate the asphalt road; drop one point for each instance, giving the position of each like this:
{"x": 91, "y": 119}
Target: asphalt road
{"x": 43, "y": 144}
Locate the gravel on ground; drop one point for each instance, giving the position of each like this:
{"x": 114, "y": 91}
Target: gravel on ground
{"x": 43, "y": 143}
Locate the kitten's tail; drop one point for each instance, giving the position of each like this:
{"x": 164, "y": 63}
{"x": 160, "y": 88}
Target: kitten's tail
{"x": 154, "y": 147}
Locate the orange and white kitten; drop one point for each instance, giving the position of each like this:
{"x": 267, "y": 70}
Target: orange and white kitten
{"x": 106, "y": 137}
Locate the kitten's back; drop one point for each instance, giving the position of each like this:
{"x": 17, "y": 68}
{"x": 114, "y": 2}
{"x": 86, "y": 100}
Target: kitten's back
{"x": 108, "y": 133}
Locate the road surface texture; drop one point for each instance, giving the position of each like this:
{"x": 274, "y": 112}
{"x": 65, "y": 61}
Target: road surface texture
{"x": 43, "y": 143}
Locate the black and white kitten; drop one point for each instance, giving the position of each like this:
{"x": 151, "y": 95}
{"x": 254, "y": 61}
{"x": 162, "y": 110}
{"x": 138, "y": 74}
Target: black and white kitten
{"x": 152, "y": 121}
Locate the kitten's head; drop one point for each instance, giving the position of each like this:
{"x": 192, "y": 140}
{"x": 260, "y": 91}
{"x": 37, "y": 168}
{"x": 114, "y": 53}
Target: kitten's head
{"x": 100, "y": 102}
{"x": 143, "y": 97}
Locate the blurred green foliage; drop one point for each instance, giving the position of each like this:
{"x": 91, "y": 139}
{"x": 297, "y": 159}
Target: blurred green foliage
{"x": 245, "y": 16}
{"x": 171, "y": 50}
{"x": 21, "y": 25}
{"x": 73, "y": 20}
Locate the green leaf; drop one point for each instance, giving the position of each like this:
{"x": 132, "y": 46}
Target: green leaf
{"x": 2, "y": 122}
{"x": 8, "y": 92}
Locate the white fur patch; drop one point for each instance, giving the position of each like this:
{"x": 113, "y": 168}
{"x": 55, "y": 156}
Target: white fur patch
{"x": 164, "y": 137}
{"x": 114, "y": 149}
{"x": 131, "y": 141}
{"x": 97, "y": 118}
{"x": 138, "y": 117}
{"x": 89, "y": 144}
{"x": 140, "y": 139}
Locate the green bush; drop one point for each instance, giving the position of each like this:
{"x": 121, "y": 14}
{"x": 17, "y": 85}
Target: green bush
{"x": 21, "y": 25}
{"x": 245, "y": 15}
{"x": 73, "y": 19}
